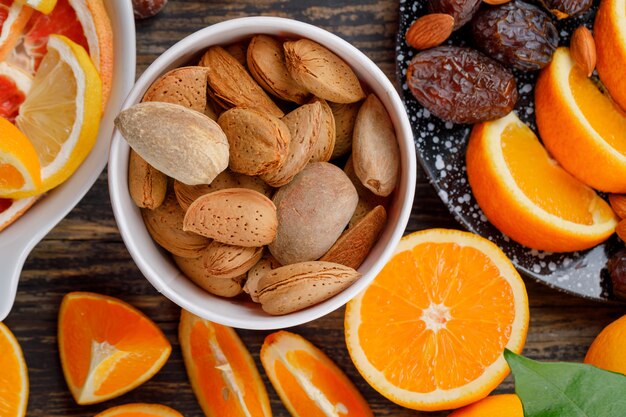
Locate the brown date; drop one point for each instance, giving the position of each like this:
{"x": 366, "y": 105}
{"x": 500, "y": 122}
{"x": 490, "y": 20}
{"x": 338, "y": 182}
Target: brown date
{"x": 461, "y": 85}
{"x": 517, "y": 34}
{"x": 461, "y": 10}
{"x": 147, "y": 8}
{"x": 563, "y": 9}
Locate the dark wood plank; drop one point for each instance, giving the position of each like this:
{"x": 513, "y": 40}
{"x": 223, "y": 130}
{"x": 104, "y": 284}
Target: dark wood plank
{"x": 85, "y": 252}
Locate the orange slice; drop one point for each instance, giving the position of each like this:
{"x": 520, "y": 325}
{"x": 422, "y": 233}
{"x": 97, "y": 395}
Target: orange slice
{"x": 582, "y": 128}
{"x": 607, "y": 350}
{"x": 505, "y": 405}
{"x": 20, "y": 171}
{"x": 609, "y": 32}
{"x": 14, "y": 85}
{"x": 13, "y": 18}
{"x": 528, "y": 196}
{"x": 308, "y": 382}
{"x": 85, "y": 22}
{"x": 14, "y": 376}
{"x": 140, "y": 410}
{"x": 221, "y": 371}
{"x": 430, "y": 331}
{"x": 107, "y": 347}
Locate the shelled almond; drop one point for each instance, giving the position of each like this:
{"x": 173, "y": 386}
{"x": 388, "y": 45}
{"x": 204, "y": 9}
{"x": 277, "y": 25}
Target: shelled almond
{"x": 255, "y": 206}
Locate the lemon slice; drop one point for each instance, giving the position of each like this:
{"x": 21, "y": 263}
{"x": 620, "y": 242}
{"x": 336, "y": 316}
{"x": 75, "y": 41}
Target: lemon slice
{"x": 44, "y": 6}
{"x": 19, "y": 163}
{"x": 61, "y": 113}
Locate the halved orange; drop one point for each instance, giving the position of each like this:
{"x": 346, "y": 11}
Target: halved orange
{"x": 582, "y": 128}
{"x": 107, "y": 346}
{"x": 429, "y": 333}
{"x": 607, "y": 350}
{"x": 504, "y": 405}
{"x": 221, "y": 371}
{"x": 609, "y": 32}
{"x": 20, "y": 171}
{"x": 13, "y": 377}
{"x": 140, "y": 410}
{"x": 308, "y": 382}
{"x": 527, "y": 195}
{"x": 13, "y": 18}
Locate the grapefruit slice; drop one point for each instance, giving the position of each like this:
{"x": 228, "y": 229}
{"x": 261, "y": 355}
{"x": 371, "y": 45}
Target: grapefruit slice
{"x": 85, "y": 22}
{"x": 13, "y": 18}
{"x": 14, "y": 376}
{"x": 221, "y": 371}
{"x": 308, "y": 382}
{"x": 44, "y": 6}
{"x": 429, "y": 333}
{"x": 140, "y": 410}
{"x": 11, "y": 210}
{"x": 107, "y": 347}
{"x": 527, "y": 195}
{"x": 14, "y": 85}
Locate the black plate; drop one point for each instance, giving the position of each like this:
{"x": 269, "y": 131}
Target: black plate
{"x": 441, "y": 151}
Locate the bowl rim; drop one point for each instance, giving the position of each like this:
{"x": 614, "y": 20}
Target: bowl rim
{"x": 201, "y": 40}
{"x": 17, "y": 240}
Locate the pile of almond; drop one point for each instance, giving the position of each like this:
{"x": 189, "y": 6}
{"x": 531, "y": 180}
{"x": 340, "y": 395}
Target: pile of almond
{"x": 229, "y": 165}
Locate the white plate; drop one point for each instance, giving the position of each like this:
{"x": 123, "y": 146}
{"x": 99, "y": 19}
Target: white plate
{"x": 17, "y": 240}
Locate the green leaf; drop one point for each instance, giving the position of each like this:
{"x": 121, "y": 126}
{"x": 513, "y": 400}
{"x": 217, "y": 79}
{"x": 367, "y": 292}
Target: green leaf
{"x": 563, "y": 389}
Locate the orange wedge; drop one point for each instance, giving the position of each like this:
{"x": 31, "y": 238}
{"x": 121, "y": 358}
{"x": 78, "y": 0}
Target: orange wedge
{"x": 13, "y": 377}
{"x": 528, "y": 196}
{"x": 20, "y": 171}
{"x": 140, "y": 410}
{"x": 429, "y": 333}
{"x": 221, "y": 371}
{"x": 609, "y": 32}
{"x": 107, "y": 347}
{"x": 582, "y": 128}
{"x": 505, "y": 405}
{"x": 308, "y": 382}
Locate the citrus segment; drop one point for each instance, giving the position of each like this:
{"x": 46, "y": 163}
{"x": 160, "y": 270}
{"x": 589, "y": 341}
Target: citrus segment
{"x": 19, "y": 163}
{"x": 308, "y": 382}
{"x": 11, "y": 210}
{"x": 451, "y": 302}
{"x": 582, "y": 128}
{"x": 14, "y": 85}
{"x": 221, "y": 371}
{"x": 61, "y": 114}
{"x": 528, "y": 196}
{"x": 14, "y": 376}
{"x": 140, "y": 410}
{"x": 13, "y": 18}
{"x": 607, "y": 350}
{"x": 609, "y": 32}
{"x": 44, "y": 6}
{"x": 107, "y": 347}
{"x": 505, "y": 405}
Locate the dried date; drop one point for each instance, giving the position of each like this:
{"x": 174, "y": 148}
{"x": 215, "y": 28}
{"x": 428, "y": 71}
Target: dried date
{"x": 563, "y": 9}
{"x": 517, "y": 34}
{"x": 461, "y": 10}
{"x": 461, "y": 85}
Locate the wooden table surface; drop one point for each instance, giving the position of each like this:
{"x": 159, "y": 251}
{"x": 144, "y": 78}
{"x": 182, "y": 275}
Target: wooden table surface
{"x": 85, "y": 251}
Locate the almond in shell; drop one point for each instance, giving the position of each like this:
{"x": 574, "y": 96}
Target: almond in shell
{"x": 266, "y": 60}
{"x": 295, "y": 287}
{"x": 228, "y": 261}
{"x": 232, "y": 86}
{"x": 355, "y": 244}
{"x": 326, "y": 143}
{"x": 187, "y": 194}
{"x": 193, "y": 268}
{"x": 165, "y": 225}
{"x": 305, "y": 124}
{"x": 186, "y": 86}
{"x": 239, "y": 51}
{"x": 235, "y": 216}
{"x": 258, "y": 271}
{"x": 258, "y": 141}
{"x": 322, "y": 72}
{"x": 146, "y": 184}
{"x": 375, "y": 151}
{"x": 345, "y": 117}
{"x": 181, "y": 143}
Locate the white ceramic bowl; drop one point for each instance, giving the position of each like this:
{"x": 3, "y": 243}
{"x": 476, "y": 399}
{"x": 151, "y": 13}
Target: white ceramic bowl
{"x": 158, "y": 267}
{"x": 17, "y": 240}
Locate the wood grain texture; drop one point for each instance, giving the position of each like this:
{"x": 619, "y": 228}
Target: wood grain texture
{"x": 85, "y": 252}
